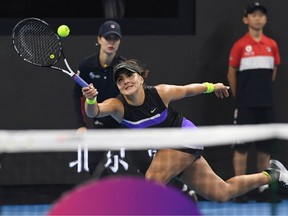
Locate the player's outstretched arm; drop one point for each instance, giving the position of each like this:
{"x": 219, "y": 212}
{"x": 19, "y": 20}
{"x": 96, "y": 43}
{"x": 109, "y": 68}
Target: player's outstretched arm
{"x": 176, "y": 92}
{"x": 221, "y": 90}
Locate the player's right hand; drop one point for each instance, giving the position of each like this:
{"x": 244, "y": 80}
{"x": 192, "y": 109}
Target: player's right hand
{"x": 89, "y": 92}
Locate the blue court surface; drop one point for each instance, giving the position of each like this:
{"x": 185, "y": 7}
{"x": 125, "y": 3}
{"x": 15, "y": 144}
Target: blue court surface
{"x": 206, "y": 208}
{"x": 27, "y": 210}
{"x": 244, "y": 209}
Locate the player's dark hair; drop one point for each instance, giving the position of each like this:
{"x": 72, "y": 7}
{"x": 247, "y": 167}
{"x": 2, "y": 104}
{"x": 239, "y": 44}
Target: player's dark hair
{"x": 143, "y": 70}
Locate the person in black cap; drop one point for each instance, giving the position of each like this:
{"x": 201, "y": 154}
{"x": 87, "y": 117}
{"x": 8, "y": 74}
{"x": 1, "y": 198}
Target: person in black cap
{"x": 140, "y": 106}
{"x": 98, "y": 69}
{"x": 256, "y": 6}
{"x": 253, "y": 63}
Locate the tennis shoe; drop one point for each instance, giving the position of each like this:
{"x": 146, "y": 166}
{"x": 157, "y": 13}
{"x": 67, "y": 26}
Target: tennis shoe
{"x": 278, "y": 173}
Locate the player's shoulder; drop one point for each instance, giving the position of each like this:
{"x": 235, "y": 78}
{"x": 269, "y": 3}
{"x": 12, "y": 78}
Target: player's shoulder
{"x": 121, "y": 98}
{"x": 163, "y": 87}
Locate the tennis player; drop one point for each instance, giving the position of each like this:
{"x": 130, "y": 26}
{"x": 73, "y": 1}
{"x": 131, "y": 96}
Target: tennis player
{"x": 98, "y": 69}
{"x": 142, "y": 106}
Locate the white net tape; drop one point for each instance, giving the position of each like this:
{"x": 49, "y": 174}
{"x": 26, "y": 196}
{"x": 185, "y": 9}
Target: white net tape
{"x": 115, "y": 139}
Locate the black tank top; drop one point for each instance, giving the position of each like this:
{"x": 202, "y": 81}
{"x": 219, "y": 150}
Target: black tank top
{"x": 152, "y": 113}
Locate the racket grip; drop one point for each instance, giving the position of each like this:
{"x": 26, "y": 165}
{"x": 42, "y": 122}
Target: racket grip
{"x": 80, "y": 81}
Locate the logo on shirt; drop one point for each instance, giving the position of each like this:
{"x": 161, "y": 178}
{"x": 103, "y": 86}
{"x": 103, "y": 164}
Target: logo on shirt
{"x": 249, "y": 50}
{"x": 93, "y": 76}
{"x": 268, "y": 49}
{"x": 153, "y": 110}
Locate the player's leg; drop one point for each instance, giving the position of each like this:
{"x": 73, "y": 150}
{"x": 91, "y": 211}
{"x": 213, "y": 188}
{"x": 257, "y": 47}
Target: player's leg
{"x": 200, "y": 176}
{"x": 139, "y": 162}
{"x": 168, "y": 163}
{"x": 184, "y": 188}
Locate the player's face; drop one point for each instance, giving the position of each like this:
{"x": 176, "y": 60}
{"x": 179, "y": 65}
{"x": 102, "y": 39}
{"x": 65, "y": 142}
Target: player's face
{"x": 256, "y": 20}
{"x": 129, "y": 82}
{"x": 109, "y": 44}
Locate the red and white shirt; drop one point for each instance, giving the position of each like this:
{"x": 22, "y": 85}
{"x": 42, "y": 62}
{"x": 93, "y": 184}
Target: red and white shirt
{"x": 255, "y": 61}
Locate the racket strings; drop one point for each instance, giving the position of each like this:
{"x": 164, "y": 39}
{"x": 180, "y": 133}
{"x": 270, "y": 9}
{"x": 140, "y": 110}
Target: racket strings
{"x": 36, "y": 42}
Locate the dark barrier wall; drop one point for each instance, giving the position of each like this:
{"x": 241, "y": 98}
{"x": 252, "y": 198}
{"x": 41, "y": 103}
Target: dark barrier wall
{"x": 38, "y": 98}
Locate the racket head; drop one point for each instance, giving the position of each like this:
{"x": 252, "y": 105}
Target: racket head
{"x": 36, "y": 42}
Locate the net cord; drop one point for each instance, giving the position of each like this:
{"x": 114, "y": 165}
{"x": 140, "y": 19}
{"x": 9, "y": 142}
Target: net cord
{"x": 115, "y": 139}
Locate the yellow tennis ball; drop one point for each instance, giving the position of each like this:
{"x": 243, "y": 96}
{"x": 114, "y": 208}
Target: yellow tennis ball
{"x": 63, "y": 31}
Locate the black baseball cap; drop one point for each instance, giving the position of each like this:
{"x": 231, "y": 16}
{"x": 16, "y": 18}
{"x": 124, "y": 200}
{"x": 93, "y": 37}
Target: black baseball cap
{"x": 125, "y": 66}
{"x": 110, "y": 27}
{"x": 253, "y": 7}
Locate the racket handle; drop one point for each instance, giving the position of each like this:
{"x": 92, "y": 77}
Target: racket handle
{"x": 80, "y": 81}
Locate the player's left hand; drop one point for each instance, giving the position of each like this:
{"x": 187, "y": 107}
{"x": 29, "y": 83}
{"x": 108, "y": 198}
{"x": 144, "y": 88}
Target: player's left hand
{"x": 221, "y": 90}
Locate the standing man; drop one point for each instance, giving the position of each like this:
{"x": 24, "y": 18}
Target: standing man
{"x": 252, "y": 69}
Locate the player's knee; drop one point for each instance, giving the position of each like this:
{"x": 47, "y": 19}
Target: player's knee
{"x": 152, "y": 176}
{"x": 158, "y": 177}
{"x": 149, "y": 175}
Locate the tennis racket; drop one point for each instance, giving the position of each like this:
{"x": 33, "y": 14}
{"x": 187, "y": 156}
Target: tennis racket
{"x": 36, "y": 42}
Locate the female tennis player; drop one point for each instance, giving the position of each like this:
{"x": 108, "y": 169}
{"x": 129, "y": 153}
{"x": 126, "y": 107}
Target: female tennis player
{"x": 142, "y": 106}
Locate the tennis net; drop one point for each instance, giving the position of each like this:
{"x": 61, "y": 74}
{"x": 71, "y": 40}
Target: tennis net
{"x": 44, "y": 164}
